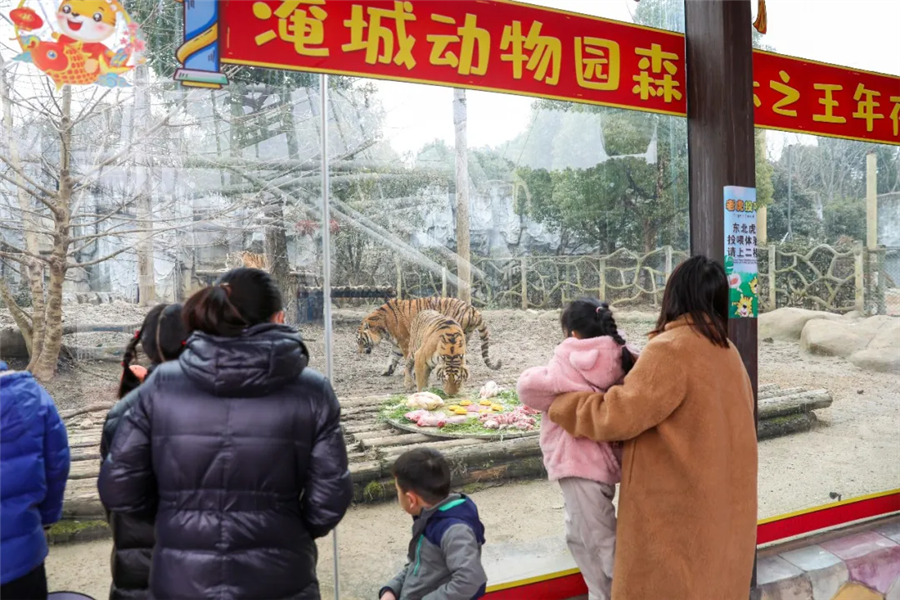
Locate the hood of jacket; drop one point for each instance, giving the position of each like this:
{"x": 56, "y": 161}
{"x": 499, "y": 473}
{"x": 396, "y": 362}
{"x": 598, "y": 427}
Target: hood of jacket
{"x": 598, "y": 360}
{"x": 264, "y": 358}
{"x": 21, "y": 402}
{"x": 435, "y": 521}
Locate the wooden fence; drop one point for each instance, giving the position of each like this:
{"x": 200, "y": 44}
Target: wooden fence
{"x": 819, "y": 277}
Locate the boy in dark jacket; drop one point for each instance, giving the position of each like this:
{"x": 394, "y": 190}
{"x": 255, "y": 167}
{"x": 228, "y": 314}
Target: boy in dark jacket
{"x": 445, "y": 551}
{"x": 34, "y": 466}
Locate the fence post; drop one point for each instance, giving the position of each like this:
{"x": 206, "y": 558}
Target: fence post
{"x": 524, "y": 283}
{"x": 564, "y": 288}
{"x": 399, "y": 281}
{"x": 859, "y": 278}
{"x": 773, "y": 300}
{"x": 668, "y": 262}
{"x": 601, "y": 292}
{"x": 443, "y": 282}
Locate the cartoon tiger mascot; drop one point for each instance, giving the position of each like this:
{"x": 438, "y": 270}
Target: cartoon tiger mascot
{"x": 392, "y": 320}
{"x": 437, "y": 343}
{"x": 744, "y": 306}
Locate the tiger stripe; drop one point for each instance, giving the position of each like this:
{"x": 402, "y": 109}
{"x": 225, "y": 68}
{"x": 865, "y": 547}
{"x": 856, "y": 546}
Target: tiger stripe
{"x": 392, "y": 320}
{"x": 437, "y": 343}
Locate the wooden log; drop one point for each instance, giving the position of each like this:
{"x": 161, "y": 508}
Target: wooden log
{"x": 102, "y": 407}
{"x": 803, "y": 402}
{"x": 776, "y": 392}
{"x": 786, "y": 425}
{"x": 84, "y": 470}
{"x": 359, "y": 428}
{"x": 767, "y": 387}
{"x": 396, "y": 440}
{"x": 392, "y": 454}
{"x": 86, "y": 456}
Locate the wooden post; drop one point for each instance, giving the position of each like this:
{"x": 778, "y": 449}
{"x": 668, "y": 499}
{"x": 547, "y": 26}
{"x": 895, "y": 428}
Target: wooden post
{"x": 443, "y": 282}
{"x": 762, "y": 227}
{"x": 859, "y": 278}
{"x": 668, "y": 262}
{"x": 524, "y": 283}
{"x": 721, "y": 149}
{"x": 773, "y": 267}
{"x": 871, "y": 201}
{"x": 463, "y": 266}
{"x": 399, "y": 281}
{"x": 601, "y": 292}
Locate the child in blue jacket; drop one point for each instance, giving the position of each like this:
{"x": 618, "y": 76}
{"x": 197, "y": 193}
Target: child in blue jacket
{"x": 34, "y": 466}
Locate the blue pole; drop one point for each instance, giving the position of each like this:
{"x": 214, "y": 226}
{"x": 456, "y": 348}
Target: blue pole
{"x": 199, "y": 54}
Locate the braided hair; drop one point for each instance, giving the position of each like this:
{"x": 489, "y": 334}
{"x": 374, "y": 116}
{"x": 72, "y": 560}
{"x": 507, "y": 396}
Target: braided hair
{"x": 161, "y": 337}
{"x": 590, "y": 318}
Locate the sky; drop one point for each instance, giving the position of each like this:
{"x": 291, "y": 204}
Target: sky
{"x": 860, "y": 34}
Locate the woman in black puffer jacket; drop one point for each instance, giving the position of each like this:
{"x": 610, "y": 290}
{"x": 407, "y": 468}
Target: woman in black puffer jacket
{"x": 237, "y": 448}
{"x": 162, "y": 337}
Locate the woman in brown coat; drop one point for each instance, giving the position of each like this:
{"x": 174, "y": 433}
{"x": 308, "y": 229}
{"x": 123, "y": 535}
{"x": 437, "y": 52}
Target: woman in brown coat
{"x": 687, "y": 507}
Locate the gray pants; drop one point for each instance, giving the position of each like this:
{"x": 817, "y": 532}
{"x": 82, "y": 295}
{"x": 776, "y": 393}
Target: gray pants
{"x": 591, "y": 532}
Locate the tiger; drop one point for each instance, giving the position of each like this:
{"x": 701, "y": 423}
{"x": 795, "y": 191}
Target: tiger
{"x": 436, "y": 342}
{"x": 392, "y": 321}
{"x": 247, "y": 259}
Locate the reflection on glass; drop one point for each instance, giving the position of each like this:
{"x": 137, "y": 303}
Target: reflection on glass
{"x": 563, "y": 201}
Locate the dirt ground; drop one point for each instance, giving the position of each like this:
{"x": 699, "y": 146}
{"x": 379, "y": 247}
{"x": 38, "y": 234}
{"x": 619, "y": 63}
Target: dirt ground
{"x": 854, "y": 450}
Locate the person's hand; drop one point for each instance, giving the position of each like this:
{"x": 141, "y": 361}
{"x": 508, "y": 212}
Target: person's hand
{"x": 388, "y": 595}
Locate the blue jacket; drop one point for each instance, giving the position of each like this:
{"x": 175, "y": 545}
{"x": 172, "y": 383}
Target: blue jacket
{"x": 444, "y": 558}
{"x": 34, "y": 465}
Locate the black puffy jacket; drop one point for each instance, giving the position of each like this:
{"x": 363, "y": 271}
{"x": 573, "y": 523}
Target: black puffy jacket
{"x": 237, "y": 448}
{"x": 133, "y": 536}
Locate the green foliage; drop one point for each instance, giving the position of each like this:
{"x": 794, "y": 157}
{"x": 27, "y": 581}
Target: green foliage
{"x": 625, "y": 200}
{"x": 765, "y": 189}
{"x": 846, "y": 217}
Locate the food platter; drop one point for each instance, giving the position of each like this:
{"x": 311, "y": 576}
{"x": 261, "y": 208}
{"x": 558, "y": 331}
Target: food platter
{"x": 493, "y": 415}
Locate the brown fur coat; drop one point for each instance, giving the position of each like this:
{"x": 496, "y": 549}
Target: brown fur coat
{"x": 687, "y": 508}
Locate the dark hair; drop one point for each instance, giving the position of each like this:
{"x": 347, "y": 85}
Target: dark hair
{"x": 591, "y": 318}
{"x": 161, "y": 337}
{"x": 240, "y": 298}
{"x": 424, "y": 471}
{"x": 699, "y": 289}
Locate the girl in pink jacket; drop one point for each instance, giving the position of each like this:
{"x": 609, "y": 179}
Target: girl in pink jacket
{"x": 593, "y": 357}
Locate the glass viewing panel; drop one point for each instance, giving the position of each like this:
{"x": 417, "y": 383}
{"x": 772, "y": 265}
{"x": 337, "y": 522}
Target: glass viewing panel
{"x": 816, "y": 254}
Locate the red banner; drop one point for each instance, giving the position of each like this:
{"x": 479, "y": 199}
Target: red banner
{"x": 794, "y": 94}
{"x": 489, "y": 45}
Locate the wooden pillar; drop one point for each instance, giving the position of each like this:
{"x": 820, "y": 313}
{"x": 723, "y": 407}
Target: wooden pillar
{"x": 721, "y": 151}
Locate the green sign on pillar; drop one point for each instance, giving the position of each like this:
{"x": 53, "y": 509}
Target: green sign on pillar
{"x": 741, "y": 252}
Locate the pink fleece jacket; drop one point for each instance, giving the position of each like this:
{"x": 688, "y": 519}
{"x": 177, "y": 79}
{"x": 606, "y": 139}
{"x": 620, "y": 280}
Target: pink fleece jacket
{"x": 592, "y": 364}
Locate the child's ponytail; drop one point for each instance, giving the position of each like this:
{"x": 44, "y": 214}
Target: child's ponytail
{"x": 129, "y": 379}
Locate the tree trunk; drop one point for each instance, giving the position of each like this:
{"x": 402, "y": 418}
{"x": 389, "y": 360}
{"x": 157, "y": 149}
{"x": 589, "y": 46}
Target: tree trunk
{"x": 276, "y": 237}
{"x": 45, "y": 366}
{"x": 463, "y": 261}
{"x": 34, "y": 269}
{"x": 146, "y": 266}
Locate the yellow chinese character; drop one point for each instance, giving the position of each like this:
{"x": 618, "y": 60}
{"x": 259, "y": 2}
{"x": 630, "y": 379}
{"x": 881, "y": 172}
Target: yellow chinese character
{"x": 546, "y": 52}
{"x": 295, "y": 25}
{"x": 865, "y": 109}
{"x": 790, "y": 95}
{"x": 895, "y": 114}
{"x": 591, "y": 55}
{"x": 756, "y": 101}
{"x": 380, "y": 34}
{"x": 829, "y": 103}
{"x": 656, "y": 60}
{"x": 469, "y": 34}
